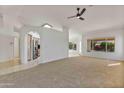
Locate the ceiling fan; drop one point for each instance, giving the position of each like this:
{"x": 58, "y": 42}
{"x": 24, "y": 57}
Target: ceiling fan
{"x": 79, "y": 14}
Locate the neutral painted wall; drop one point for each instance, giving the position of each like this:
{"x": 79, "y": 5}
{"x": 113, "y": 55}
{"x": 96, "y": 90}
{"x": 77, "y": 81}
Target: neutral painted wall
{"x": 118, "y": 33}
{"x": 6, "y": 48}
{"x": 7, "y": 42}
{"x": 54, "y": 45}
{"x": 16, "y": 47}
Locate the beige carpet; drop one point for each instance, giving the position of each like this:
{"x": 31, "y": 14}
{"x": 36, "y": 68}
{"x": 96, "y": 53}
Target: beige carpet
{"x": 73, "y": 72}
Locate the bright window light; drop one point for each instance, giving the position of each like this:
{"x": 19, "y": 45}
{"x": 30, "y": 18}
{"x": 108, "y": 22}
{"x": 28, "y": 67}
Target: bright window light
{"x": 46, "y": 25}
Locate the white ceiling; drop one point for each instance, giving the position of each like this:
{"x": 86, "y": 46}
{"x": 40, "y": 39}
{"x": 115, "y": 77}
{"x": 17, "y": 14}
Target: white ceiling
{"x": 96, "y": 17}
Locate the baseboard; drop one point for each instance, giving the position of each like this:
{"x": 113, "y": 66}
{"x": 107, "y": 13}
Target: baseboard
{"x": 104, "y": 58}
{"x": 52, "y": 60}
{"x": 8, "y": 60}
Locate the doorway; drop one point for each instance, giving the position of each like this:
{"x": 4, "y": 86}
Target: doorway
{"x": 33, "y": 46}
{"x": 75, "y": 44}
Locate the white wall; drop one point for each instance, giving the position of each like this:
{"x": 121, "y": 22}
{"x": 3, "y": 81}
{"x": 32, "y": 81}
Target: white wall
{"x": 118, "y": 33}
{"x": 7, "y": 35}
{"x": 6, "y": 48}
{"x": 54, "y": 45}
{"x": 16, "y": 47}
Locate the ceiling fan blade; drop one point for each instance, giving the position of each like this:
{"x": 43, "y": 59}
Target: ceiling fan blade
{"x": 83, "y": 10}
{"x": 81, "y": 18}
{"x": 72, "y": 16}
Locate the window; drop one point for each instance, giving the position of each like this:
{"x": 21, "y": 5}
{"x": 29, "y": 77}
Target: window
{"x": 103, "y": 44}
{"x": 110, "y": 45}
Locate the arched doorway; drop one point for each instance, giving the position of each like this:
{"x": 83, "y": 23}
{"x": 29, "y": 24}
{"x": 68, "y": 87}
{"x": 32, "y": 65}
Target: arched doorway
{"x": 24, "y": 43}
{"x": 33, "y": 46}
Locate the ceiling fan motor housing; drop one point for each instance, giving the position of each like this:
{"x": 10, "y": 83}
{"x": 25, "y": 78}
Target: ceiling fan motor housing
{"x": 78, "y": 9}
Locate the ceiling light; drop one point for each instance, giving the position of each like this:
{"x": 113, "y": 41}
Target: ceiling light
{"x": 46, "y": 25}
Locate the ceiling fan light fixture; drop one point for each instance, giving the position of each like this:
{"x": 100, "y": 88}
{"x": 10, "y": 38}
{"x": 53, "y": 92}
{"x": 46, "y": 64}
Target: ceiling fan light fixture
{"x": 78, "y": 17}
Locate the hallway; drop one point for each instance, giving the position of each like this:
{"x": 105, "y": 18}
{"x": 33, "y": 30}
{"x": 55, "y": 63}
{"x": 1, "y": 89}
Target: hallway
{"x": 70, "y": 72}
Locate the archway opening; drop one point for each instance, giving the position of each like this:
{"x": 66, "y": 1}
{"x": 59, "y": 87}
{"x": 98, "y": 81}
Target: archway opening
{"x": 75, "y": 44}
{"x": 33, "y": 46}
